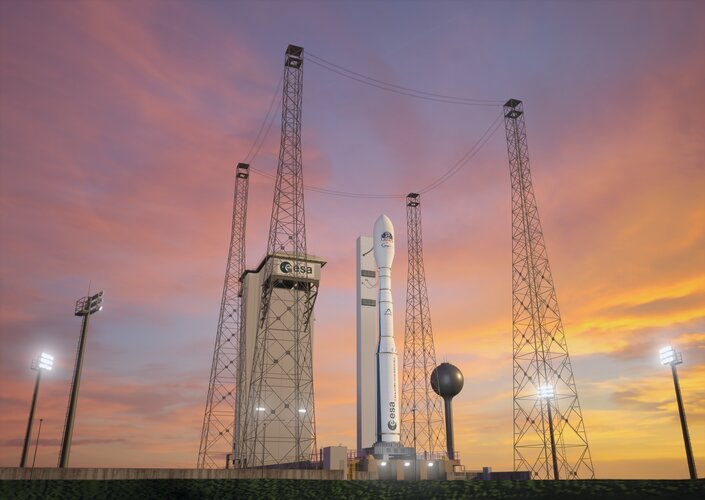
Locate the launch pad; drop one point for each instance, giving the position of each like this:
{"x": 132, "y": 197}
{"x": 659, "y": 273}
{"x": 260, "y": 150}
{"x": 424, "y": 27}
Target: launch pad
{"x": 387, "y": 451}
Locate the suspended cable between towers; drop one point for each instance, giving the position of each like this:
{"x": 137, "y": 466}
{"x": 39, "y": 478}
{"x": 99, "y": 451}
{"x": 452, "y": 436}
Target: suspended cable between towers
{"x": 269, "y": 117}
{"x": 398, "y": 89}
{"x": 469, "y": 155}
{"x": 484, "y": 138}
{"x": 271, "y": 114}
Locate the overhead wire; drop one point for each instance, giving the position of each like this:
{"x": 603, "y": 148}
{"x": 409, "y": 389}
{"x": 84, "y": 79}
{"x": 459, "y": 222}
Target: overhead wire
{"x": 257, "y": 143}
{"x": 470, "y": 154}
{"x": 494, "y": 126}
{"x": 268, "y": 121}
{"x": 266, "y": 133}
{"x": 391, "y": 87}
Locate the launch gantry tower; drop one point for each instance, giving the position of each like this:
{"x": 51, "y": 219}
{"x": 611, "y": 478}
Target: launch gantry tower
{"x": 279, "y": 420}
{"x": 421, "y": 409}
{"x": 549, "y": 432}
{"x": 218, "y": 420}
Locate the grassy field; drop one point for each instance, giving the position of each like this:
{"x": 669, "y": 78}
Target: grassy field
{"x": 299, "y": 489}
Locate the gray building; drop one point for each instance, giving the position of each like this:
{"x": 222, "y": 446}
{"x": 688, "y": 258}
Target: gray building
{"x": 366, "y": 310}
{"x": 275, "y": 416}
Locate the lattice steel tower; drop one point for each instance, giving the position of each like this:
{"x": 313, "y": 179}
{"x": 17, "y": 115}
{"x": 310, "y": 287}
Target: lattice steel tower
{"x": 218, "y": 420}
{"x": 549, "y": 433}
{"x": 279, "y": 425}
{"x": 421, "y": 409}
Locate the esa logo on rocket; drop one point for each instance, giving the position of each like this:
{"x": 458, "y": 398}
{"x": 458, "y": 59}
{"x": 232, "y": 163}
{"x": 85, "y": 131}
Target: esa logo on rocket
{"x": 392, "y": 425}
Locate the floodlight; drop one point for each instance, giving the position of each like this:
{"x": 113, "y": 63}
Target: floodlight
{"x": 302, "y": 410}
{"x": 43, "y": 362}
{"x": 407, "y": 464}
{"x": 383, "y": 464}
{"x": 430, "y": 464}
{"x": 669, "y": 356}
{"x": 546, "y": 391}
{"x": 260, "y": 408}
{"x": 86, "y": 306}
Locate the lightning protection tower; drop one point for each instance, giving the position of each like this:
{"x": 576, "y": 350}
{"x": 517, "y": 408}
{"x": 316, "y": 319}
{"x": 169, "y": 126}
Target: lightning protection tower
{"x": 421, "y": 408}
{"x": 549, "y": 433}
{"x": 219, "y": 418}
{"x": 279, "y": 424}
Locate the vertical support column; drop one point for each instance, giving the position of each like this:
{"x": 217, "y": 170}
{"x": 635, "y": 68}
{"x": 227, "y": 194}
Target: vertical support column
{"x": 282, "y": 374}
{"x": 219, "y": 436}
{"x": 287, "y": 230}
{"x": 540, "y": 352}
{"x": 421, "y": 409}
{"x": 450, "y": 444}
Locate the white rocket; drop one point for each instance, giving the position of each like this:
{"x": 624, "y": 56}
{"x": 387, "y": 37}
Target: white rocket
{"x": 388, "y": 428}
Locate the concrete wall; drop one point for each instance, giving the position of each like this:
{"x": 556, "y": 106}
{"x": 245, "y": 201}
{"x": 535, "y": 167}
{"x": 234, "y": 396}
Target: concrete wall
{"x": 85, "y": 473}
{"x": 365, "y": 476}
{"x": 251, "y": 287}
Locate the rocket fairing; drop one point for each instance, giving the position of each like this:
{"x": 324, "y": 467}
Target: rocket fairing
{"x": 388, "y": 428}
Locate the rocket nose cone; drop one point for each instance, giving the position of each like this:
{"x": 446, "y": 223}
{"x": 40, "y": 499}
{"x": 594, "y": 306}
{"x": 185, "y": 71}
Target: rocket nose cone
{"x": 383, "y": 224}
{"x": 384, "y": 241}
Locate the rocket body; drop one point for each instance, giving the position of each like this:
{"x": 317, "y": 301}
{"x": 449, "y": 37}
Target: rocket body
{"x": 388, "y": 417}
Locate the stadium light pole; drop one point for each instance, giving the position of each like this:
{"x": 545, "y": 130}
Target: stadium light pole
{"x": 85, "y": 307}
{"x": 36, "y": 447}
{"x": 43, "y": 362}
{"x": 669, "y": 356}
{"x": 546, "y": 392}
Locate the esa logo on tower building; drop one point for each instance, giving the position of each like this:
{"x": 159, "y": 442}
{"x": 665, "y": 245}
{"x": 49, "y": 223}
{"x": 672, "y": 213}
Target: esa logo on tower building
{"x": 287, "y": 267}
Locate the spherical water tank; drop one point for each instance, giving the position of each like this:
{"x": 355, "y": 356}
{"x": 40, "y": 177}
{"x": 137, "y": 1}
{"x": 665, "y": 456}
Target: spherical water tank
{"x": 447, "y": 380}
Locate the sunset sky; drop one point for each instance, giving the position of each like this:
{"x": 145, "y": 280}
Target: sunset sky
{"x": 120, "y": 126}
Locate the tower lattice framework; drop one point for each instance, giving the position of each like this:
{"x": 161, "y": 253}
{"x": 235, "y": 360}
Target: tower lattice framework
{"x": 421, "y": 409}
{"x": 279, "y": 424}
{"x": 549, "y": 432}
{"x": 218, "y": 420}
